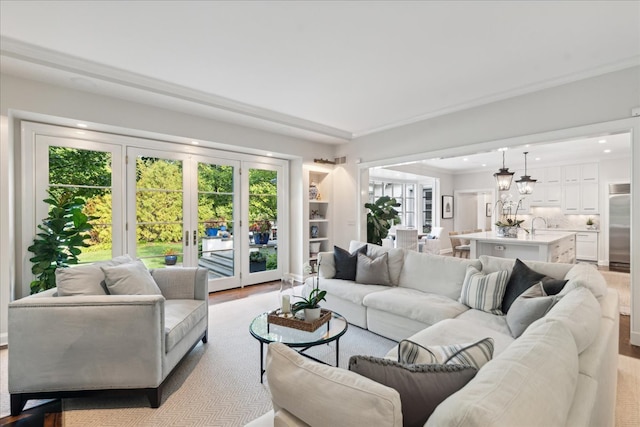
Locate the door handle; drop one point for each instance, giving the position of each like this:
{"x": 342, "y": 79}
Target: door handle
{"x": 195, "y": 237}
{"x": 186, "y": 238}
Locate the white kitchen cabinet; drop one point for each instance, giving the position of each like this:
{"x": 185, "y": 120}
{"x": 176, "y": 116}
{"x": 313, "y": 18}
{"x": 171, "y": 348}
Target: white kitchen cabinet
{"x": 589, "y": 173}
{"x": 589, "y": 198}
{"x": 571, "y": 174}
{"x": 546, "y": 195}
{"x": 582, "y": 198}
{"x": 553, "y": 175}
{"x": 571, "y": 198}
{"x": 587, "y": 245}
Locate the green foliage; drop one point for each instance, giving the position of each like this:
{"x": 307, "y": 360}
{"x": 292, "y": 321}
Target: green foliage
{"x": 313, "y": 301}
{"x": 272, "y": 261}
{"x": 71, "y": 166}
{"x": 61, "y": 236}
{"x": 379, "y": 218}
{"x": 257, "y": 256}
{"x": 263, "y": 195}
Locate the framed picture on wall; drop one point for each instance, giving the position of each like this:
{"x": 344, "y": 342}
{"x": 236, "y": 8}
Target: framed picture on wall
{"x": 447, "y": 207}
{"x": 488, "y": 210}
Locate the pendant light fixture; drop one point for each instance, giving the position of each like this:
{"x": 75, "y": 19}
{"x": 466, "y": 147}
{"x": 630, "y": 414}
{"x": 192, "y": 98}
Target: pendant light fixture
{"x": 503, "y": 176}
{"x": 525, "y": 183}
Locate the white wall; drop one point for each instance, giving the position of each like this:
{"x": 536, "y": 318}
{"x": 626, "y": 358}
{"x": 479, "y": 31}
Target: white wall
{"x": 568, "y": 111}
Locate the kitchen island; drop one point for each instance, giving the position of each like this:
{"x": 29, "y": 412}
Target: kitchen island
{"x": 548, "y": 246}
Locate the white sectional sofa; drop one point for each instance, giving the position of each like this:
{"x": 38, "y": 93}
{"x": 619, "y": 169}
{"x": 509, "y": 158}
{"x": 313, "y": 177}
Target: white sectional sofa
{"x": 562, "y": 370}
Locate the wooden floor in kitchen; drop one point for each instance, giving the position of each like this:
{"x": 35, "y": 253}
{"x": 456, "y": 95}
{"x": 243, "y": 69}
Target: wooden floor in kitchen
{"x": 50, "y": 414}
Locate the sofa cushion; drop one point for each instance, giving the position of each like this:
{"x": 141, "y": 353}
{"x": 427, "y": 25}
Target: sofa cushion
{"x": 484, "y": 291}
{"x": 180, "y": 317}
{"x": 395, "y": 258}
{"x": 454, "y": 331}
{"x": 435, "y": 273}
{"x": 474, "y": 354}
{"x": 416, "y": 305}
{"x": 580, "y": 312}
{"x": 347, "y": 290}
{"x": 130, "y": 279}
{"x": 311, "y": 391}
{"x": 86, "y": 279}
{"x": 345, "y": 263}
{"x": 373, "y": 271}
{"x": 532, "y": 382}
{"x": 421, "y": 387}
{"x": 488, "y": 320}
{"x": 556, "y": 270}
{"x": 587, "y": 276}
{"x": 533, "y": 304}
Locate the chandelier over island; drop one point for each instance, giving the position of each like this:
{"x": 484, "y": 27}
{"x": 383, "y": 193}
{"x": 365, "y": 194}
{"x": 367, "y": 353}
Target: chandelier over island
{"x": 525, "y": 183}
{"x": 503, "y": 176}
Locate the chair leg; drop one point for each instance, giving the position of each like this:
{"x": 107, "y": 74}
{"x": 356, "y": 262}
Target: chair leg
{"x": 17, "y": 404}
{"x": 155, "y": 396}
{"x": 205, "y": 338}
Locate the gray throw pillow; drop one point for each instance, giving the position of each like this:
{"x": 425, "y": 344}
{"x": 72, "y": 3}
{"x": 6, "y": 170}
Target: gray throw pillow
{"x": 373, "y": 271}
{"x": 130, "y": 279}
{"x": 421, "y": 387}
{"x": 522, "y": 278}
{"x": 86, "y": 279}
{"x": 530, "y": 306}
{"x": 346, "y": 262}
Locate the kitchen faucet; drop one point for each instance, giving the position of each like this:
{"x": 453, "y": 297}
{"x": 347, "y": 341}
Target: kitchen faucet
{"x": 533, "y": 230}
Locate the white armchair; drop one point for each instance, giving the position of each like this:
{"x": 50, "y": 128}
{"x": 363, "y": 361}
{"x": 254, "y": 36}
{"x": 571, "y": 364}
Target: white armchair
{"x": 73, "y": 345}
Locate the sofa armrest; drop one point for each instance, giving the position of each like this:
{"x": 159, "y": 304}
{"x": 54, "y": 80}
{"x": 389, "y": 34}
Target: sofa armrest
{"x": 182, "y": 283}
{"x": 85, "y": 342}
{"x": 327, "y": 265}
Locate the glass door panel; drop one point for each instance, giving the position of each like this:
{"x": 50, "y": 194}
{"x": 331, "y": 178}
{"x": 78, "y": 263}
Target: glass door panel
{"x": 159, "y": 211}
{"x": 263, "y": 206}
{"x": 216, "y": 198}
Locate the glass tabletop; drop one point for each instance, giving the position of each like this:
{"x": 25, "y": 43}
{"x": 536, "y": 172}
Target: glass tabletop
{"x": 265, "y": 332}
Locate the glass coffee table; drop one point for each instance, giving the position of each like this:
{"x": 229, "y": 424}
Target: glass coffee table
{"x": 266, "y": 333}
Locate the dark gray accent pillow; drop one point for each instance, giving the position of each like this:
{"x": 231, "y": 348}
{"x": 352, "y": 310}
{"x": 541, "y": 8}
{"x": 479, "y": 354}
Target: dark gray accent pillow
{"x": 421, "y": 387}
{"x": 373, "y": 271}
{"x": 533, "y": 304}
{"x": 346, "y": 263}
{"x": 522, "y": 278}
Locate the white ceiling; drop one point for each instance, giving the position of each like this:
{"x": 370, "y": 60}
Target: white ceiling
{"x": 326, "y": 71}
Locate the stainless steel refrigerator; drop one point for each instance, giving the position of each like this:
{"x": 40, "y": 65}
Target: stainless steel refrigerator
{"x": 619, "y": 227}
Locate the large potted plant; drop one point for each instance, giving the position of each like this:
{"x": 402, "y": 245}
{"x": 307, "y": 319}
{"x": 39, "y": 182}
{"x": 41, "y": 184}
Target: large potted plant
{"x": 62, "y": 233}
{"x": 379, "y": 218}
{"x": 261, "y": 230}
{"x": 508, "y": 223}
{"x": 257, "y": 261}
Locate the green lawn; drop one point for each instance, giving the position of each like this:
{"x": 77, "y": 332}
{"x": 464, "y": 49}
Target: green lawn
{"x": 152, "y": 254}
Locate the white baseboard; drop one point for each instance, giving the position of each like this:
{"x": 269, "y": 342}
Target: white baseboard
{"x": 635, "y": 338}
{"x": 4, "y": 339}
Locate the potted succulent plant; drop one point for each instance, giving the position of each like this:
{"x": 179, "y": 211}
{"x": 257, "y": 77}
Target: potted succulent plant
{"x": 310, "y": 305}
{"x": 170, "y": 256}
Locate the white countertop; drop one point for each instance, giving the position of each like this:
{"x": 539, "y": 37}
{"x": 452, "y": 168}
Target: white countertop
{"x": 577, "y": 230}
{"x": 545, "y": 237}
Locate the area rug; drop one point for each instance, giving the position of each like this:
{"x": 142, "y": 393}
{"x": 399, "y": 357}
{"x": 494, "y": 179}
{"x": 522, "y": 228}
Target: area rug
{"x": 628, "y": 398}
{"x": 621, "y": 282}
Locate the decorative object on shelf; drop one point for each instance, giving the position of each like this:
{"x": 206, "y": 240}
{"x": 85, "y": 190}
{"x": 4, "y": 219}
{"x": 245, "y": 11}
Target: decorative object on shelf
{"x": 590, "y": 224}
{"x": 380, "y": 217}
{"x": 508, "y": 223}
{"x": 315, "y": 214}
{"x": 503, "y": 176}
{"x": 170, "y": 256}
{"x": 314, "y": 248}
{"x": 525, "y": 183}
{"x": 314, "y": 231}
{"x": 313, "y": 191}
{"x": 447, "y": 207}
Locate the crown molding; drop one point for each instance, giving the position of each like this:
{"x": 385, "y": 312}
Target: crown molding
{"x": 49, "y": 58}
{"x": 500, "y": 96}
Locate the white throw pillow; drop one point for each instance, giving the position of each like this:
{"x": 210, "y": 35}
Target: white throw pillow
{"x": 86, "y": 279}
{"x": 130, "y": 279}
{"x": 484, "y": 291}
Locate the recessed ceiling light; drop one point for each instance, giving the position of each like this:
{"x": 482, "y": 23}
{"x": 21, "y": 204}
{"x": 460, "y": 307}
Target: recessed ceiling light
{"x": 602, "y": 141}
{"x": 195, "y": 142}
{"x": 269, "y": 154}
{"x": 484, "y": 164}
{"x": 81, "y": 125}
{"x": 607, "y": 151}
{"x": 79, "y": 132}
{"x": 537, "y": 158}
{"x": 465, "y": 160}
{"x": 528, "y": 145}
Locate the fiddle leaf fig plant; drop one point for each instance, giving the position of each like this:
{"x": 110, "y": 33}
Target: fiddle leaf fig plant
{"x": 62, "y": 235}
{"x": 379, "y": 218}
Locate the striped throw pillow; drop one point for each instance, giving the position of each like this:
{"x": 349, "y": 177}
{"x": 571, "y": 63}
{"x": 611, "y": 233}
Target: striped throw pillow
{"x": 470, "y": 354}
{"x": 484, "y": 291}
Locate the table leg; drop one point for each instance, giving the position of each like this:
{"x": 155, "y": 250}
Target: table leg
{"x": 337, "y": 352}
{"x": 261, "y": 360}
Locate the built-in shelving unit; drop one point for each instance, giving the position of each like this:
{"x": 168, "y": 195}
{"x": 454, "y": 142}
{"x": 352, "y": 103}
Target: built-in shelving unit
{"x": 318, "y": 212}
